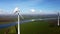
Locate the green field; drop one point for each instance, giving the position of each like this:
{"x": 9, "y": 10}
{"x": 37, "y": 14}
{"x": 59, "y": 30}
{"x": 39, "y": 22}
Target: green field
{"x": 36, "y": 27}
{"x": 39, "y": 27}
{"x": 9, "y": 30}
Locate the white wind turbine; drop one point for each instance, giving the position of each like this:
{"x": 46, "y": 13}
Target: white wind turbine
{"x": 58, "y": 19}
{"x": 17, "y": 10}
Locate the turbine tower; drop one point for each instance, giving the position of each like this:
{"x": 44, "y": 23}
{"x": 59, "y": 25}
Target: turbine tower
{"x": 17, "y": 10}
{"x": 58, "y": 19}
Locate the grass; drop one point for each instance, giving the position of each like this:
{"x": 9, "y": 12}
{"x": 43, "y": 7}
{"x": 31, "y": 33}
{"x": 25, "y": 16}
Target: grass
{"x": 39, "y": 27}
{"x": 9, "y": 30}
{"x": 36, "y": 27}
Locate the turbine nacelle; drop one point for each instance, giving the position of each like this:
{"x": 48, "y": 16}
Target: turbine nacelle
{"x": 16, "y": 10}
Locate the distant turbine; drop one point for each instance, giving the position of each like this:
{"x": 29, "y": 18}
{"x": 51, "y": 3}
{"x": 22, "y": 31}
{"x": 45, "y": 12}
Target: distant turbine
{"x": 58, "y": 19}
{"x": 17, "y": 10}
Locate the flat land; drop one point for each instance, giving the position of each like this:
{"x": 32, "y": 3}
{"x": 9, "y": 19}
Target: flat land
{"x": 40, "y": 27}
{"x": 35, "y": 27}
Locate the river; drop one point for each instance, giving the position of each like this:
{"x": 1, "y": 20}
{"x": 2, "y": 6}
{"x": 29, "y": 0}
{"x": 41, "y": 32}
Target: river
{"x": 24, "y": 21}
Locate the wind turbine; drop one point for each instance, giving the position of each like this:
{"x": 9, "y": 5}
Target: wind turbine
{"x": 17, "y": 10}
{"x": 58, "y": 19}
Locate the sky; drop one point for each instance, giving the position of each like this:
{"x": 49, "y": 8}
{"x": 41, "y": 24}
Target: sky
{"x": 30, "y": 6}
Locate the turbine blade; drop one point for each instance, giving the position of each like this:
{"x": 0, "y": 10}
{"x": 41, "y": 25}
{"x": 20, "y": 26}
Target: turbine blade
{"x": 21, "y": 16}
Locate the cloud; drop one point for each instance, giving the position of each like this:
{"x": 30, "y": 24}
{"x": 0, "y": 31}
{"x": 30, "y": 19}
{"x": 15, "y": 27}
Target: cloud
{"x": 32, "y": 10}
{"x": 48, "y": 12}
{"x": 2, "y": 11}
